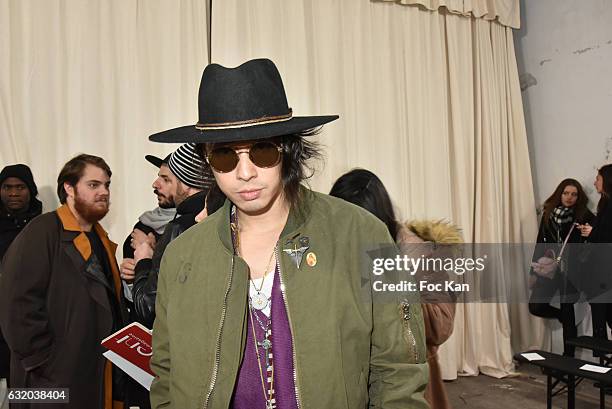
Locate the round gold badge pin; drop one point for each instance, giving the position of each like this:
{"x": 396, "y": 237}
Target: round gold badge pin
{"x": 311, "y": 259}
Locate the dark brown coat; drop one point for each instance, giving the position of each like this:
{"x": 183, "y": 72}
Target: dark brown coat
{"x": 55, "y": 310}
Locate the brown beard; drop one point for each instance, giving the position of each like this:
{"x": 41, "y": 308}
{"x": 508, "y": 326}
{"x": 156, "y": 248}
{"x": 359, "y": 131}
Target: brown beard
{"x": 89, "y": 213}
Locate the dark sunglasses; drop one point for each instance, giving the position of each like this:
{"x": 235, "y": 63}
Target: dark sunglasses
{"x": 263, "y": 154}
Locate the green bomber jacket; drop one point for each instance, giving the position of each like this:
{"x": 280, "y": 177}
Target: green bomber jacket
{"x": 349, "y": 352}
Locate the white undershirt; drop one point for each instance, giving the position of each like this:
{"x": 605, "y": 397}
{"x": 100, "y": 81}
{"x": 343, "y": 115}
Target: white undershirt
{"x": 266, "y": 289}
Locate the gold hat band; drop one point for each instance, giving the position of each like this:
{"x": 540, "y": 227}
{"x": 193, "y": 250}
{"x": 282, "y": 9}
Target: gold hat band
{"x": 243, "y": 124}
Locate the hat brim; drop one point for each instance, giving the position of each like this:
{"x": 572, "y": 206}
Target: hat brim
{"x": 154, "y": 160}
{"x": 189, "y": 133}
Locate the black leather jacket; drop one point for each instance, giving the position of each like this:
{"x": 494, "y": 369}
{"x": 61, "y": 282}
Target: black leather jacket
{"x": 144, "y": 290}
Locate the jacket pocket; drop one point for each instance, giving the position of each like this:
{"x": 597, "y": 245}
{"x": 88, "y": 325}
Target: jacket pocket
{"x": 43, "y": 375}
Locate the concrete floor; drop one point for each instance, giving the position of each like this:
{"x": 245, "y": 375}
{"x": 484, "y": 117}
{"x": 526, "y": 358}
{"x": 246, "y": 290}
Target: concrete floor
{"x": 525, "y": 391}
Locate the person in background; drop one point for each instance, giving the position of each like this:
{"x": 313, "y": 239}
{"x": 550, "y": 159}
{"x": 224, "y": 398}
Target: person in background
{"x": 18, "y": 206}
{"x": 364, "y": 189}
{"x": 599, "y": 262}
{"x": 60, "y": 294}
{"x": 193, "y": 182}
{"x": 565, "y": 207}
{"x": 154, "y": 221}
{"x": 151, "y": 224}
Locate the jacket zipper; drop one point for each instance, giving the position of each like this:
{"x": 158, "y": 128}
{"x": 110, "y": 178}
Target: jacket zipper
{"x": 295, "y": 380}
{"x": 406, "y": 318}
{"x": 218, "y": 346}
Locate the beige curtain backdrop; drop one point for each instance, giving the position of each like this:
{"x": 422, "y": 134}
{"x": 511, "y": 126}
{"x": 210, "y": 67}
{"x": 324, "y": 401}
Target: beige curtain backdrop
{"x": 507, "y": 12}
{"x": 428, "y": 97}
{"x": 98, "y": 76}
{"x": 430, "y": 102}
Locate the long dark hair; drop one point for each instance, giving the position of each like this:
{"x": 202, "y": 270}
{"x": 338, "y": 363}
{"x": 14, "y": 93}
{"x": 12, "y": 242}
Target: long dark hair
{"x": 298, "y": 151}
{"x": 606, "y": 191}
{"x": 581, "y": 211}
{"x": 365, "y": 189}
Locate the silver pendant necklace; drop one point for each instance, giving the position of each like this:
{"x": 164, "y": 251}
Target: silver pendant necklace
{"x": 259, "y": 301}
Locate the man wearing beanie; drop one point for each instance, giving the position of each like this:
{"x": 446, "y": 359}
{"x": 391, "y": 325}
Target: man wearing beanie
{"x": 152, "y": 223}
{"x": 18, "y": 206}
{"x": 194, "y": 180}
{"x": 149, "y": 228}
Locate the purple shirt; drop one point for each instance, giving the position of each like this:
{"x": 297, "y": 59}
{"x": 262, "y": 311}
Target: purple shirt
{"x": 248, "y": 393}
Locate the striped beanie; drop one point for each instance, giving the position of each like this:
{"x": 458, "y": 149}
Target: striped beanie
{"x": 189, "y": 168}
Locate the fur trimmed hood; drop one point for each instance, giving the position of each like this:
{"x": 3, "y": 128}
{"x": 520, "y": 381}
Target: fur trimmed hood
{"x": 437, "y": 231}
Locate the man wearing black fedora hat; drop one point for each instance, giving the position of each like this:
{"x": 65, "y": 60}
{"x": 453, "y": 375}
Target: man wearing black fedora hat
{"x": 262, "y": 305}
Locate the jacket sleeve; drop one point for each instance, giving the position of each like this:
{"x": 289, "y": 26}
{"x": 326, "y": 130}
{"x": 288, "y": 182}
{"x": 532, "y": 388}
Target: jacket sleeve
{"x": 24, "y": 279}
{"x": 160, "y": 361}
{"x": 439, "y": 321}
{"x": 144, "y": 290}
{"x": 398, "y": 362}
{"x": 602, "y": 230}
{"x": 540, "y": 246}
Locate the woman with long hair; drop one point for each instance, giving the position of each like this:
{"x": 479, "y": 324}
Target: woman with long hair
{"x": 566, "y": 207}
{"x": 598, "y": 264}
{"x": 363, "y": 188}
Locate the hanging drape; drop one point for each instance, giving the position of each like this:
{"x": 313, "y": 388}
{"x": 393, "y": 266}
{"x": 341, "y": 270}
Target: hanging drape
{"x": 429, "y": 100}
{"x": 98, "y": 76}
{"x": 439, "y": 118}
{"x": 506, "y": 12}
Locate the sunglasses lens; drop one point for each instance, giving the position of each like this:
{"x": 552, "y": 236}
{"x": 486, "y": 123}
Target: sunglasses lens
{"x": 265, "y": 154}
{"x": 223, "y": 159}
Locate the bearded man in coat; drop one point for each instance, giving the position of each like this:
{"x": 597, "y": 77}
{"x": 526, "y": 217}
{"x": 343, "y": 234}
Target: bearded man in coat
{"x": 60, "y": 294}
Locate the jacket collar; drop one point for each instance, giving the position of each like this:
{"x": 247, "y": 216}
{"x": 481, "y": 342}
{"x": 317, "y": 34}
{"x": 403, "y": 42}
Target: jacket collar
{"x": 298, "y": 215}
{"x": 194, "y": 204}
{"x": 81, "y": 242}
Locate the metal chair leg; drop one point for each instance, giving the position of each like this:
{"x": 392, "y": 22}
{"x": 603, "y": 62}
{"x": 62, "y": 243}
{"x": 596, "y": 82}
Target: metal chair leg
{"x": 549, "y": 392}
{"x": 571, "y": 392}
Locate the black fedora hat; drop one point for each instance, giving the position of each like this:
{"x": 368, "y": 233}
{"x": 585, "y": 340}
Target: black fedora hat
{"x": 242, "y": 103}
{"x": 155, "y": 161}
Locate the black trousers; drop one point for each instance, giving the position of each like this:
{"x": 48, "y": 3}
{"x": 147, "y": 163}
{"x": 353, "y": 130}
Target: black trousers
{"x": 543, "y": 293}
{"x": 601, "y": 315}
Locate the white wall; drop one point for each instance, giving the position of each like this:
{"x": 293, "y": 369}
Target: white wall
{"x": 564, "y": 54}
{"x": 566, "y": 46}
